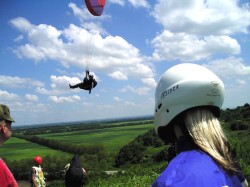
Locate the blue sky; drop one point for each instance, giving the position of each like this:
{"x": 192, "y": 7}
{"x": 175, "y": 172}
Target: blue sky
{"x": 47, "y": 44}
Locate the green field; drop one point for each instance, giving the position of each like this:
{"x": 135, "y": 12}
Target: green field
{"x": 17, "y": 149}
{"x": 111, "y": 138}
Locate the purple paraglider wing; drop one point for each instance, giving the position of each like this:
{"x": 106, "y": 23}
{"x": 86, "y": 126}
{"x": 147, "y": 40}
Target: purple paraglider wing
{"x": 95, "y": 7}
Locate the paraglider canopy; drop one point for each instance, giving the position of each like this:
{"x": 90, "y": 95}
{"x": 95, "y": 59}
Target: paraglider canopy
{"x": 95, "y": 7}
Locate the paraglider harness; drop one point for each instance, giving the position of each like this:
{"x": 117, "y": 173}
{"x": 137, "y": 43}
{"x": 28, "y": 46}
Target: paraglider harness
{"x": 88, "y": 82}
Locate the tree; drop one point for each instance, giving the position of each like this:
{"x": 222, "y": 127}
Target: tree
{"x": 132, "y": 153}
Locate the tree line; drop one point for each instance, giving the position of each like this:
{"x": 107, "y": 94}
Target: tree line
{"x": 79, "y": 127}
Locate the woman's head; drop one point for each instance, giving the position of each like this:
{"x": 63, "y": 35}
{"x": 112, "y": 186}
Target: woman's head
{"x": 189, "y": 96}
{"x": 183, "y": 87}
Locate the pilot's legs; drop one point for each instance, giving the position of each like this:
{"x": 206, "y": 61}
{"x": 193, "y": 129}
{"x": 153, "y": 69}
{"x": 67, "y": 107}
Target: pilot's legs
{"x": 75, "y": 86}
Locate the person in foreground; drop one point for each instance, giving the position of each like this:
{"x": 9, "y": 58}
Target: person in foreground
{"x": 188, "y": 99}
{"x": 6, "y": 177}
{"x": 36, "y": 173}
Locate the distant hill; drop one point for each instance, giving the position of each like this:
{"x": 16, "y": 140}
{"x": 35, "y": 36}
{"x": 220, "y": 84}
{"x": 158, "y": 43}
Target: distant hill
{"x": 82, "y": 125}
{"x": 87, "y": 122}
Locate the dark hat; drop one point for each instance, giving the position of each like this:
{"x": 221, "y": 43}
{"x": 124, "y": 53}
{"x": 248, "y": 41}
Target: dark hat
{"x": 5, "y": 113}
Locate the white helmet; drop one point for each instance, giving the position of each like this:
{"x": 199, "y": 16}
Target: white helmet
{"x": 186, "y": 86}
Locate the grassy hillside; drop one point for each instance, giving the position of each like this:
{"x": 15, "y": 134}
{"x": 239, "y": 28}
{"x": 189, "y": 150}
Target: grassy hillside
{"x": 18, "y": 149}
{"x": 114, "y": 136}
{"x": 113, "y": 139}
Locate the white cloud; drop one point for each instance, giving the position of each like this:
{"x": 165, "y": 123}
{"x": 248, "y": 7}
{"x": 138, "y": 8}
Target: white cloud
{"x": 18, "y": 82}
{"x": 21, "y": 24}
{"x": 129, "y": 103}
{"x": 117, "y": 99}
{"x": 196, "y": 30}
{"x": 19, "y": 38}
{"x": 134, "y": 3}
{"x": 70, "y": 99}
{"x": 6, "y": 96}
{"x": 27, "y": 107}
{"x": 141, "y": 3}
{"x": 139, "y": 90}
{"x": 105, "y": 106}
{"x": 183, "y": 47}
{"x": 230, "y": 68}
{"x": 118, "y": 75}
{"x": 44, "y": 41}
{"x": 88, "y": 104}
{"x": 42, "y": 91}
{"x": 28, "y": 51}
{"x": 119, "y": 2}
{"x": 59, "y": 85}
{"x": 150, "y": 82}
{"x": 142, "y": 70}
{"x": 30, "y": 97}
{"x": 78, "y": 12}
{"x": 203, "y": 17}
{"x": 40, "y": 107}
{"x": 60, "y": 82}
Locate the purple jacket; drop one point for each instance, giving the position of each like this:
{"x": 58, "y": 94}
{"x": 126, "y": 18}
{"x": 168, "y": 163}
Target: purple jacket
{"x": 195, "y": 169}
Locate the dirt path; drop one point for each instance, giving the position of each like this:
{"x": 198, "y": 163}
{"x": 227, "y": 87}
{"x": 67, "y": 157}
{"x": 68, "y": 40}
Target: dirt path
{"x": 23, "y": 183}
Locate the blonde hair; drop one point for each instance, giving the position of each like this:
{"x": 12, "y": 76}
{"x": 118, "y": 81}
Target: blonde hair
{"x": 207, "y": 134}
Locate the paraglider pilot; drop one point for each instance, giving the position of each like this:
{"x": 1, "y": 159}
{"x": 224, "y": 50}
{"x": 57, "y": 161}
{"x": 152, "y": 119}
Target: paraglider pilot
{"x": 88, "y": 83}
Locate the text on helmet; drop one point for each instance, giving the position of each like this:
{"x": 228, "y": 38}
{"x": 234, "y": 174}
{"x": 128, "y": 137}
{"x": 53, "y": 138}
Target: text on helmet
{"x": 169, "y": 91}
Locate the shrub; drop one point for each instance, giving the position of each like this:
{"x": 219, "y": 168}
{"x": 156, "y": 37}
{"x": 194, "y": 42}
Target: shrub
{"x": 132, "y": 153}
{"x": 238, "y": 126}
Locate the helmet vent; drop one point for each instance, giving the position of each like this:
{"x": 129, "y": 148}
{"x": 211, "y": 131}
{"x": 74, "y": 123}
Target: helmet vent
{"x": 159, "y": 106}
{"x": 167, "y": 111}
